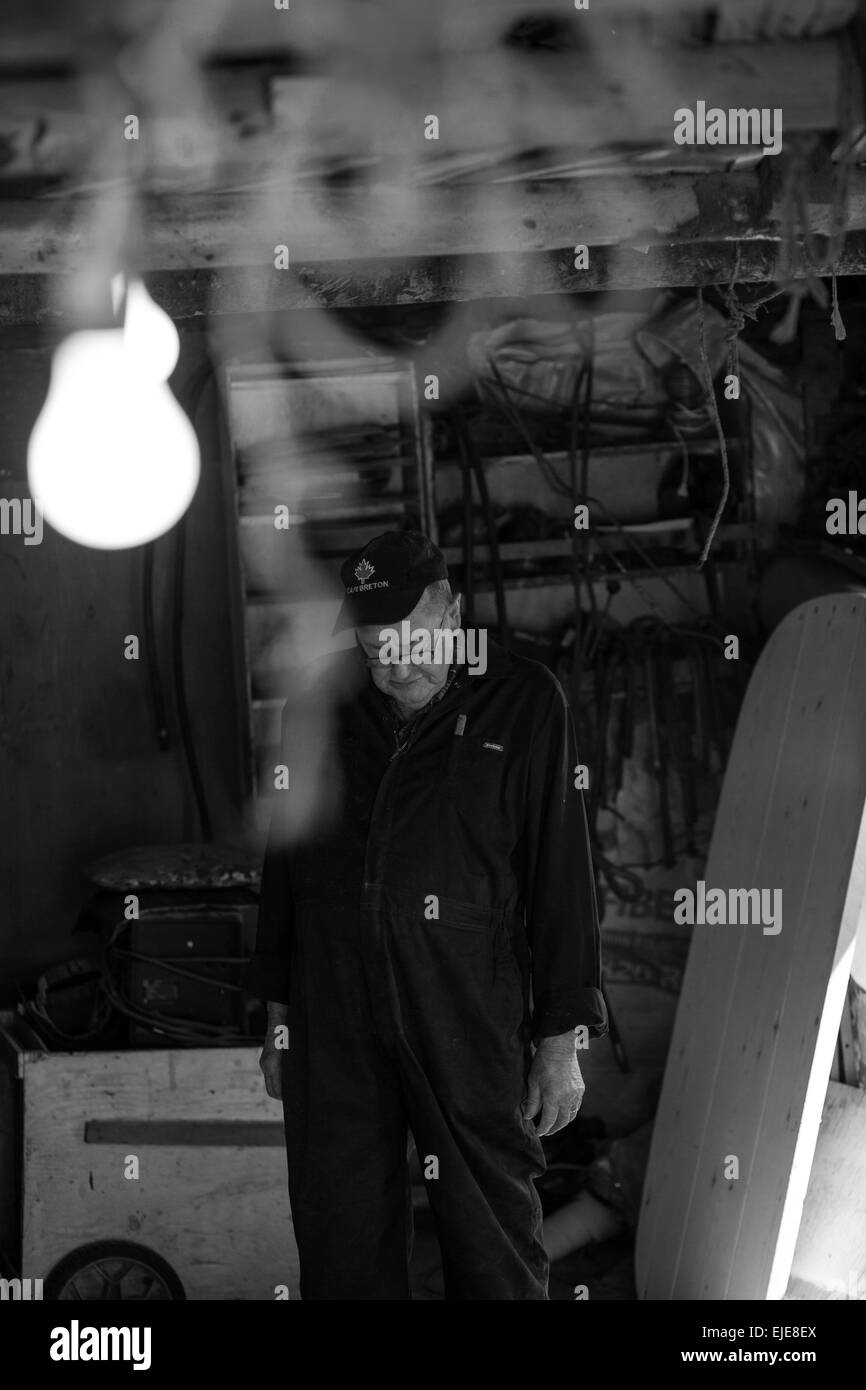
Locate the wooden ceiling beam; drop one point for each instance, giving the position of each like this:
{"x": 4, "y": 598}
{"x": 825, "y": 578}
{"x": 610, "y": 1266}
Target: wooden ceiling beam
{"x": 51, "y": 236}
{"x": 241, "y": 123}
{"x": 63, "y": 33}
{"x": 199, "y": 294}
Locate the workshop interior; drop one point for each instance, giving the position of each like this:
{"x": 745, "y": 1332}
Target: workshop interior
{"x": 275, "y": 280}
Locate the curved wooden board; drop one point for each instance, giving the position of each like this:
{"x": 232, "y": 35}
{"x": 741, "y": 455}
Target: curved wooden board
{"x": 758, "y": 1016}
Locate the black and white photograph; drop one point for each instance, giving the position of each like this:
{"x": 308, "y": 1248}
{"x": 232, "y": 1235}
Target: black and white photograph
{"x": 432, "y": 673}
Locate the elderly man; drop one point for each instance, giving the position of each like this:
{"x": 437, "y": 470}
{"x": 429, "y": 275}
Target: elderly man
{"x": 433, "y": 950}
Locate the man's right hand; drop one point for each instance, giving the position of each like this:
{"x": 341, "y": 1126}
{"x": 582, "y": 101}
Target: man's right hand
{"x": 271, "y": 1060}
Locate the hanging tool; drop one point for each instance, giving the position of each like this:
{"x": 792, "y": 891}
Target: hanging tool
{"x": 679, "y": 743}
{"x": 468, "y": 526}
{"x": 605, "y": 685}
{"x": 471, "y": 460}
{"x": 659, "y": 752}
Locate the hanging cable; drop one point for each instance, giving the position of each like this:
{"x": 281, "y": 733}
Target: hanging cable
{"x": 195, "y": 389}
{"x": 584, "y": 472}
{"x": 468, "y": 523}
{"x": 714, "y": 407}
{"x": 471, "y": 461}
{"x": 183, "y": 718}
{"x": 157, "y": 693}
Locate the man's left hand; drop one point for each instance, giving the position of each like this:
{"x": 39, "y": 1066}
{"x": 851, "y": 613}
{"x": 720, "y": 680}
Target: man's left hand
{"x": 555, "y": 1086}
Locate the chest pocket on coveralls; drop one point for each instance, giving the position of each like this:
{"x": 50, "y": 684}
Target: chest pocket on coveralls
{"x": 476, "y": 773}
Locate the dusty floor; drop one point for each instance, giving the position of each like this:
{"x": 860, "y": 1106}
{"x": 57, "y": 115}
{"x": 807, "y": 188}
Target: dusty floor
{"x": 607, "y": 1270}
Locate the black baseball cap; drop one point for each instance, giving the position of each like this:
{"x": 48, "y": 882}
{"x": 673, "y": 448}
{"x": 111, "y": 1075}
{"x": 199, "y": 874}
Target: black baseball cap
{"x": 385, "y": 578}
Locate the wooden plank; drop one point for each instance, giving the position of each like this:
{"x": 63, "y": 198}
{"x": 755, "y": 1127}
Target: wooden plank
{"x": 233, "y": 124}
{"x": 241, "y": 294}
{"x": 50, "y": 235}
{"x": 61, "y": 32}
{"x": 830, "y": 1255}
{"x": 847, "y": 1047}
{"x": 175, "y": 1133}
{"x": 759, "y": 1014}
{"x": 835, "y": 1066}
{"x": 581, "y": 99}
{"x": 857, "y": 1010}
{"x": 219, "y": 1215}
{"x": 858, "y": 965}
{"x": 53, "y": 128}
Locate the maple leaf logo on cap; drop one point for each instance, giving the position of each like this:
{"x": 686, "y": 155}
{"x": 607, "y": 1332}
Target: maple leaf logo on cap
{"x": 364, "y": 570}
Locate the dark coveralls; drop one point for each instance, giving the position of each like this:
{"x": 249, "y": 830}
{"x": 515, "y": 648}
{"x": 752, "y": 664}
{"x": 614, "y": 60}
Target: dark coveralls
{"x": 443, "y": 918}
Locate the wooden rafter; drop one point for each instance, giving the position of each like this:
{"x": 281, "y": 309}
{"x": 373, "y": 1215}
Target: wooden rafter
{"x": 240, "y": 291}
{"x": 241, "y": 124}
{"x": 62, "y": 32}
{"x": 250, "y": 164}
{"x": 200, "y": 231}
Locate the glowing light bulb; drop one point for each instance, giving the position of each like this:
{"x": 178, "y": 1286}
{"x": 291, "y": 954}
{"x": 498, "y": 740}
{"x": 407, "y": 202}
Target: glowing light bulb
{"x": 113, "y": 460}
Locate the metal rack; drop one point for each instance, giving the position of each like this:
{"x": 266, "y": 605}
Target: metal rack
{"x": 632, "y": 472}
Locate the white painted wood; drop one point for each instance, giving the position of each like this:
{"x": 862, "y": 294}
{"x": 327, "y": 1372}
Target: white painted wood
{"x": 759, "y": 1014}
{"x": 830, "y": 1255}
{"x": 858, "y": 964}
{"x": 219, "y": 1215}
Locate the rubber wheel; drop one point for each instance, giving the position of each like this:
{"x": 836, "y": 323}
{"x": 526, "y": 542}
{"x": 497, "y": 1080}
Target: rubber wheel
{"x": 113, "y": 1269}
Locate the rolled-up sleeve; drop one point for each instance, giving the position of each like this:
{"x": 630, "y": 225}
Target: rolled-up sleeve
{"x": 561, "y": 905}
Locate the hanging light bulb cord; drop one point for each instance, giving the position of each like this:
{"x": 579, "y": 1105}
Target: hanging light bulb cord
{"x": 157, "y": 692}
{"x": 194, "y": 391}
{"x": 177, "y": 662}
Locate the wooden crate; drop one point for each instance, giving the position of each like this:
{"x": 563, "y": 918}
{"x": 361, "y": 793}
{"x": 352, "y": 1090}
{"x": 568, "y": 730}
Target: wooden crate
{"x": 211, "y": 1198}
